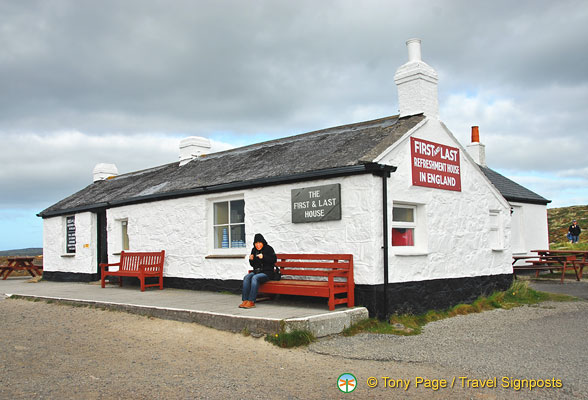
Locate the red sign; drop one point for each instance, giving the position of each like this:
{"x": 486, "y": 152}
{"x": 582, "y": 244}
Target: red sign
{"x": 435, "y": 165}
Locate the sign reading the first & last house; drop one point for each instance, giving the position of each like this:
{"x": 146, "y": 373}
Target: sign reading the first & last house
{"x": 318, "y": 203}
{"x": 435, "y": 165}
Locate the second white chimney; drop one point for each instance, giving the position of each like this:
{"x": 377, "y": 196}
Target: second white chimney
{"x": 476, "y": 149}
{"x": 104, "y": 171}
{"x": 192, "y": 147}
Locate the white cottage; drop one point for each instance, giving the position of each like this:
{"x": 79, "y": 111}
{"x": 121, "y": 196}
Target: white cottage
{"x": 426, "y": 227}
{"x": 529, "y": 227}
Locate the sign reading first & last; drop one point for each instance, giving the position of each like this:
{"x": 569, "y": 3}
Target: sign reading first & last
{"x": 435, "y": 165}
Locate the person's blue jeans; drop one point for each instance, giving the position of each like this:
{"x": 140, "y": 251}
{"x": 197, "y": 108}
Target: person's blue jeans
{"x": 251, "y": 283}
{"x": 575, "y": 238}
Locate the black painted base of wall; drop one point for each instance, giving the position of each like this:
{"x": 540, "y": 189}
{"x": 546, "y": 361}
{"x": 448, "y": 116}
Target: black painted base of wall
{"x": 420, "y": 296}
{"x": 213, "y": 285}
{"x": 58, "y": 276}
{"x": 407, "y": 297}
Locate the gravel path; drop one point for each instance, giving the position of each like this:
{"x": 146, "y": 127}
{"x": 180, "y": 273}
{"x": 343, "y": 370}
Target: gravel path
{"x": 55, "y": 351}
{"x": 542, "y": 341}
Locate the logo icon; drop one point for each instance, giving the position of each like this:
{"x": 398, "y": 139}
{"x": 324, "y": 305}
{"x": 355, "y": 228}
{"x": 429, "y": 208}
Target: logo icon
{"x": 347, "y": 383}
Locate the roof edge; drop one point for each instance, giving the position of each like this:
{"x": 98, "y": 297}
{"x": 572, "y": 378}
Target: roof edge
{"x": 367, "y": 168}
{"x": 526, "y": 200}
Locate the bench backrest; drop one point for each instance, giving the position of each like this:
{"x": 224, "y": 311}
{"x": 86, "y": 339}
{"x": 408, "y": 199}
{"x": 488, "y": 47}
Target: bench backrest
{"x": 130, "y": 261}
{"x": 316, "y": 264}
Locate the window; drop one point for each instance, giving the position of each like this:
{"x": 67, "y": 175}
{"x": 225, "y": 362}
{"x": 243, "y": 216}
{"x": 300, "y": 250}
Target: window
{"x": 70, "y": 234}
{"x": 229, "y": 224}
{"x": 124, "y": 225}
{"x": 403, "y": 225}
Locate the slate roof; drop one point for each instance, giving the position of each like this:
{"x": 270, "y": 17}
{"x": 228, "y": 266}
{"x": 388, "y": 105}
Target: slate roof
{"x": 511, "y": 190}
{"x": 340, "y": 150}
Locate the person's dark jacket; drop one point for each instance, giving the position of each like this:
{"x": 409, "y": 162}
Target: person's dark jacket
{"x": 267, "y": 263}
{"x": 575, "y": 230}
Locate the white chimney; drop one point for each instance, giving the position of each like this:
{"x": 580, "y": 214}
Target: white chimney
{"x": 417, "y": 84}
{"x": 104, "y": 171}
{"x": 192, "y": 147}
{"x": 476, "y": 149}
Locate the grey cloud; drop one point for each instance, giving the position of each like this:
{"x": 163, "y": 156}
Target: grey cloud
{"x": 149, "y": 67}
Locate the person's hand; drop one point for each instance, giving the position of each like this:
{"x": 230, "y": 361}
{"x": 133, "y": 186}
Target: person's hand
{"x": 251, "y": 256}
{"x": 260, "y": 256}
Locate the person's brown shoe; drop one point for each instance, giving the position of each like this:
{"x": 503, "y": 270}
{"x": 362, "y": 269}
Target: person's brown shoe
{"x": 243, "y": 304}
{"x": 249, "y": 304}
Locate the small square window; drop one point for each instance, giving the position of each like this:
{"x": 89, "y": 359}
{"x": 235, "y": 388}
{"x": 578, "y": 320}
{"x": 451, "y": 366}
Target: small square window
{"x": 403, "y": 225}
{"x": 229, "y": 224}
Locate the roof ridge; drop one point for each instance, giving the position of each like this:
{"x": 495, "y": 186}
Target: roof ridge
{"x": 300, "y": 136}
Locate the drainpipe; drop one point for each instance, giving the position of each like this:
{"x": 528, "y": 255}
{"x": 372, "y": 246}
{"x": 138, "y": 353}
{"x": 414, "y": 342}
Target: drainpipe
{"x": 385, "y": 177}
{"x": 385, "y": 172}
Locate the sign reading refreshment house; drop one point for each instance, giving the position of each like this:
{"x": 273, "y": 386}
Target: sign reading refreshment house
{"x": 435, "y": 165}
{"x": 318, "y": 203}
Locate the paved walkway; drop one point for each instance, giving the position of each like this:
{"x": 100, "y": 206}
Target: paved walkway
{"x": 216, "y": 310}
{"x": 569, "y": 287}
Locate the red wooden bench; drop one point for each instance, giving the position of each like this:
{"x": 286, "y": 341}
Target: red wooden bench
{"x": 138, "y": 264}
{"x": 314, "y": 275}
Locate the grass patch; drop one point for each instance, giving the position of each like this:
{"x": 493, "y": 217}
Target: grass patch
{"x": 568, "y": 246}
{"x": 409, "y": 324}
{"x": 291, "y": 339}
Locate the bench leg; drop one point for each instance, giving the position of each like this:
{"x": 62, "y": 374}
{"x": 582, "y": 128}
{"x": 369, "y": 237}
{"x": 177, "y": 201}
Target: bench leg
{"x": 161, "y": 282}
{"x": 7, "y": 272}
{"x": 142, "y": 279}
{"x": 102, "y": 281}
{"x": 331, "y": 302}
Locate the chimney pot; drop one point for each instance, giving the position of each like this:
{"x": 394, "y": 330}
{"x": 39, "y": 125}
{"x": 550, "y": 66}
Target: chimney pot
{"x": 414, "y": 50}
{"x": 475, "y": 134}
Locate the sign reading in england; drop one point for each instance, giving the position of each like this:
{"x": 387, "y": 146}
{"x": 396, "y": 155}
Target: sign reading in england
{"x": 435, "y": 165}
{"x": 314, "y": 204}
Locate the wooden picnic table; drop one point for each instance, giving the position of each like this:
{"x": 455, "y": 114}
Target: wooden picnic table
{"x": 552, "y": 260}
{"x": 581, "y": 257}
{"x": 20, "y": 264}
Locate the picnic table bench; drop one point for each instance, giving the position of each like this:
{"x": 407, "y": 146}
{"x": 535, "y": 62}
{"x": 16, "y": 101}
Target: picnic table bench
{"x": 137, "y": 264}
{"x": 20, "y": 264}
{"x": 318, "y": 275}
{"x": 544, "y": 261}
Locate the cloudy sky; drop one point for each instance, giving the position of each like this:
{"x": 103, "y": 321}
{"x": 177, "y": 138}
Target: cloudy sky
{"x": 122, "y": 81}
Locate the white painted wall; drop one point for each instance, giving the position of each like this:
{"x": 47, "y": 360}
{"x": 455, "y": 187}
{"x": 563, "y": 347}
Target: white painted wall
{"x": 530, "y": 230}
{"x": 457, "y": 224}
{"x": 55, "y": 257}
{"x": 183, "y": 228}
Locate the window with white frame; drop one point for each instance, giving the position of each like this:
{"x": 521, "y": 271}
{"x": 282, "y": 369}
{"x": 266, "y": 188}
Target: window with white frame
{"x": 403, "y": 225}
{"x": 124, "y": 228}
{"x": 229, "y": 224}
